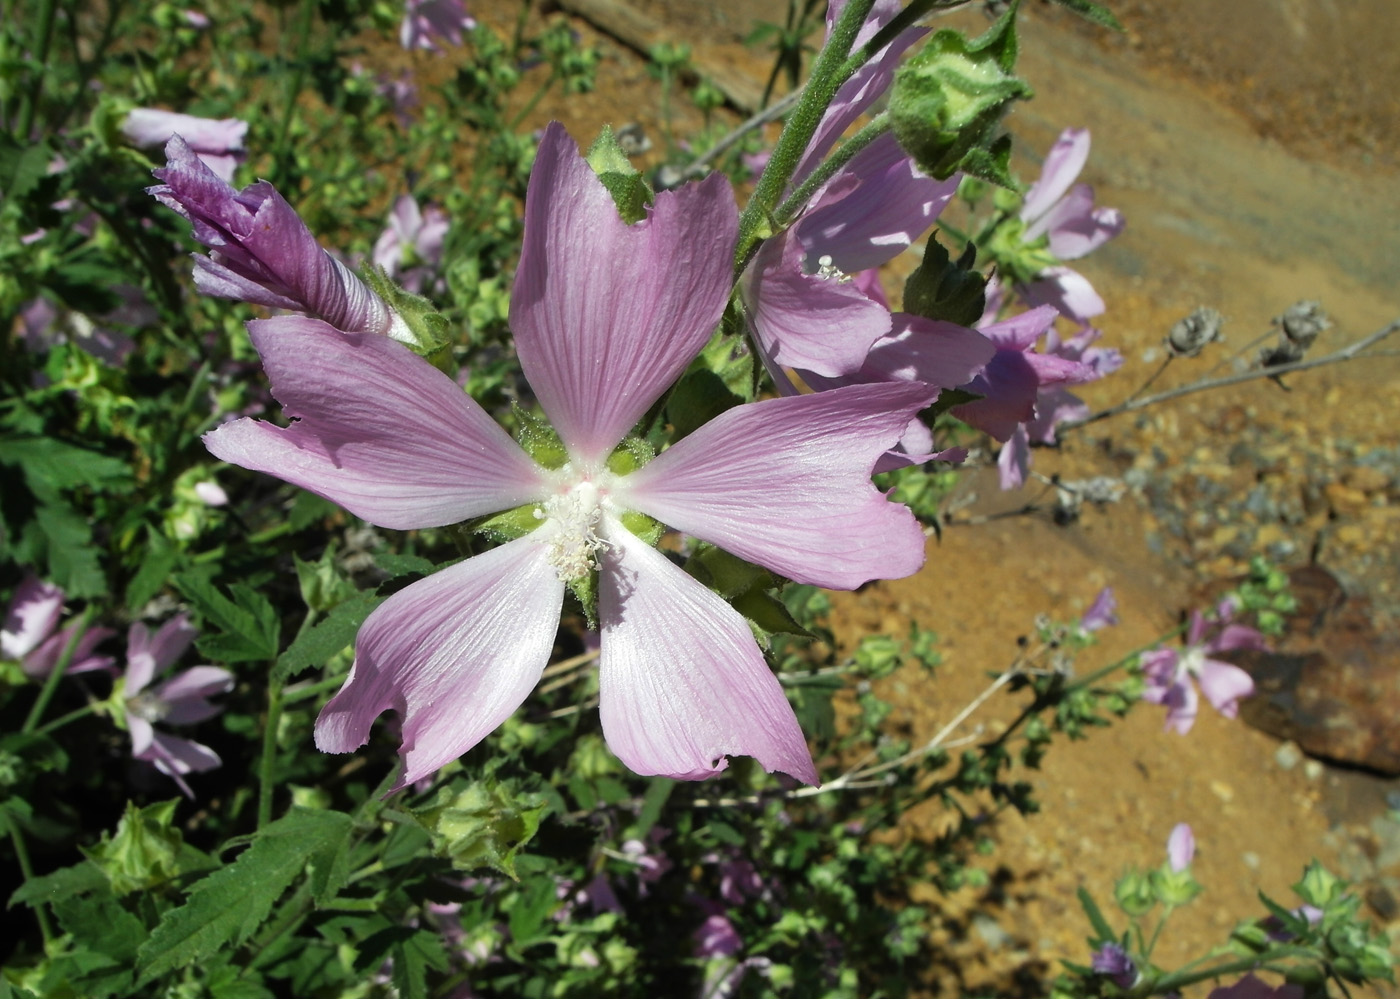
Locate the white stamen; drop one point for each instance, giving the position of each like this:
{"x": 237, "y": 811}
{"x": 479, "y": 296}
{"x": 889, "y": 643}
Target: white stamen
{"x": 148, "y": 706}
{"x": 828, "y": 269}
{"x": 574, "y": 547}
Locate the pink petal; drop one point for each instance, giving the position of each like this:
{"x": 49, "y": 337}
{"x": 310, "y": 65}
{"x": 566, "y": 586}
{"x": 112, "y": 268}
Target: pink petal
{"x": 148, "y": 127}
{"x": 454, "y": 654}
{"x": 892, "y": 206}
{"x": 1224, "y": 684}
{"x": 42, "y": 660}
{"x": 924, "y": 350}
{"x": 607, "y": 315}
{"x": 814, "y": 324}
{"x": 786, "y": 483}
{"x": 1062, "y": 166}
{"x": 1014, "y": 461}
{"x": 147, "y": 654}
{"x": 1077, "y": 228}
{"x": 1182, "y": 705}
{"x": 175, "y": 757}
{"x": 1021, "y": 331}
{"x": 682, "y": 683}
{"x": 1181, "y": 847}
{"x": 378, "y": 430}
{"x": 31, "y": 617}
{"x": 1067, "y": 291}
{"x": 1236, "y": 636}
{"x": 185, "y": 694}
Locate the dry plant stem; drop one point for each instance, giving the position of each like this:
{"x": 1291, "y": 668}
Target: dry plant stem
{"x": 860, "y": 776}
{"x": 1347, "y": 353}
{"x": 773, "y": 112}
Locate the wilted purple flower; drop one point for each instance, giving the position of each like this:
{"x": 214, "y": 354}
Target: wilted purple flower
{"x": 606, "y": 316}
{"x": 217, "y": 142}
{"x": 411, "y": 247}
{"x": 1250, "y": 987}
{"x": 716, "y": 937}
{"x": 1169, "y": 672}
{"x": 739, "y": 881}
{"x": 262, "y": 252}
{"x": 1064, "y": 212}
{"x": 1113, "y": 961}
{"x": 28, "y": 635}
{"x": 180, "y": 700}
{"x": 427, "y": 24}
{"x": 1181, "y": 847}
{"x": 1102, "y": 613}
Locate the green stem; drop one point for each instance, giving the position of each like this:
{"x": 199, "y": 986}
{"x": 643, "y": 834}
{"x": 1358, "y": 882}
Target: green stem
{"x": 795, "y": 202}
{"x": 71, "y": 716}
{"x": 289, "y": 105}
{"x": 1091, "y": 678}
{"x": 314, "y": 690}
{"x": 1176, "y": 981}
{"x": 47, "y": 9}
{"x": 56, "y": 674}
{"x": 41, "y": 913}
{"x": 269, "y": 752}
{"x": 828, "y": 73}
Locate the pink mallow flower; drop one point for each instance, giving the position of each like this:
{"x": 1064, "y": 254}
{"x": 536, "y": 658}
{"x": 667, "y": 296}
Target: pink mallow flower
{"x": 180, "y": 700}
{"x": 1063, "y": 211}
{"x": 29, "y": 636}
{"x": 217, "y": 142}
{"x": 428, "y": 24}
{"x": 262, "y": 252}
{"x": 1169, "y": 672}
{"x": 411, "y": 247}
{"x": 1181, "y": 847}
{"x": 606, "y": 316}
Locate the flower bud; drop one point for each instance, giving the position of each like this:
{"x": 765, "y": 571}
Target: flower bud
{"x": 1191, "y": 335}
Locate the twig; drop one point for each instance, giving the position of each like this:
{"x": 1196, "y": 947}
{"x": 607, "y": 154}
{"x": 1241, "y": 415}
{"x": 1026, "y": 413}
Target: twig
{"x": 1347, "y": 353}
{"x": 773, "y": 112}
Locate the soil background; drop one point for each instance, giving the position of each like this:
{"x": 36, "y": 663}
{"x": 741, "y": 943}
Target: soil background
{"x": 1252, "y": 148}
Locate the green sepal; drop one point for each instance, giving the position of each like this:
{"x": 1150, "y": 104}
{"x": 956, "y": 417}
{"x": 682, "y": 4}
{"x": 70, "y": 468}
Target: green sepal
{"x": 647, "y": 528}
{"x": 1019, "y": 260}
{"x": 585, "y": 590}
{"x": 1091, "y": 11}
{"x": 146, "y": 851}
{"x": 484, "y": 825}
{"x": 745, "y": 587}
{"x": 630, "y": 455}
{"x": 698, "y": 397}
{"x": 627, "y": 186}
{"x": 945, "y": 290}
{"x": 429, "y": 332}
{"x": 539, "y": 440}
{"x": 947, "y": 101}
{"x": 514, "y": 523}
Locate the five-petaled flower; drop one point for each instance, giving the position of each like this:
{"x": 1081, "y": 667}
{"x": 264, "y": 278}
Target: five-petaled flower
{"x": 1169, "y": 672}
{"x": 183, "y": 699}
{"x": 606, "y": 316}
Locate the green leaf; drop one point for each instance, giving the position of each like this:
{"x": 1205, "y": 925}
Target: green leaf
{"x": 225, "y": 908}
{"x": 327, "y": 637}
{"x": 484, "y": 825}
{"x": 414, "y": 954}
{"x": 60, "y": 885}
{"x": 532, "y": 907}
{"x": 1103, "y": 933}
{"x": 100, "y": 924}
{"x": 250, "y": 625}
{"x": 73, "y": 561}
{"x": 156, "y": 567}
{"x": 945, "y": 290}
{"x": 1091, "y": 11}
{"x": 403, "y": 565}
{"x": 658, "y": 792}
{"x": 698, "y": 397}
{"x": 64, "y": 466}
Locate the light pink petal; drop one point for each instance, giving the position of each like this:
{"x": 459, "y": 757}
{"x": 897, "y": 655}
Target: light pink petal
{"x": 1067, "y": 291}
{"x": 1054, "y": 406}
{"x": 606, "y": 315}
{"x": 176, "y": 757}
{"x": 1236, "y": 636}
{"x": 185, "y": 694}
{"x": 1224, "y": 684}
{"x": 31, "y": 617}
{"x": 1181, "y": 847}
{"x": 865, "y": 86}
{"x": 681, "y": 682}
{"x": 1159, "y": 667}
{"x": 786, "y": 483}
{"x": 147, "y": 654}
{"x": 1196, "y": 628}
{"x": 1021, "y": 331}
{"x": 1077, "y": 228}
{"x": 925, "y": 350}
{"x": 1014, "y": 461}
{"x": 1182, "y": 705}
{"x": 454, "y": 655}
{"x": 148, "y": 127}
{"x": 142, "y": 734}
{"x": 378, "y": 430}
{"x": 42, "y": 660}
{"x": 892, "y": 206}
{"x": 814, "y": 324}
{"x": 1062, "y": 166}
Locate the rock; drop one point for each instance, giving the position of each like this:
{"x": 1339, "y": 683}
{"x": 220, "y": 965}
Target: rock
{"x": 1332, "y": 684}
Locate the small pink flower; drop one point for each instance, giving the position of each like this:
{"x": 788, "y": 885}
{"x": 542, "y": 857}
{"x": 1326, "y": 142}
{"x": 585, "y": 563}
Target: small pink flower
{"x": 1170, "y": 672}
{"x": 1181, "y": 847}
{"x": 411, "y": 247}
{"x": 428, "y": 24}
{"x": 179, "y": 700}
{"x": 28, "y": 635}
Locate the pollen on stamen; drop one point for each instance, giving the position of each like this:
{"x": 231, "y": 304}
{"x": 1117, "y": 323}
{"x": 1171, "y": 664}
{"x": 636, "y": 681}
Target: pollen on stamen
{"x": 573, "y": 549}
{"x": 826, "y": 268}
